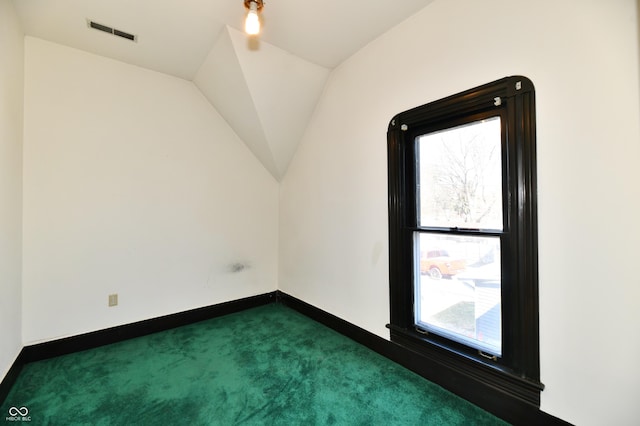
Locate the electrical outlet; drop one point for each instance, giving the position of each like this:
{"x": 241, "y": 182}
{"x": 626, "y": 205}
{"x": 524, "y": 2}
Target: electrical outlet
{"x": 113, "y": 299}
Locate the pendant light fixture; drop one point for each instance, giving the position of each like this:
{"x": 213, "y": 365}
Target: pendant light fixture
{"x": 252, "y": 22}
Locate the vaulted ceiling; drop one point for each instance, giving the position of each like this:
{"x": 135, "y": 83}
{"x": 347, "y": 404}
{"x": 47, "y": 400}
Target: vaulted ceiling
{"x": 266, "y": 87}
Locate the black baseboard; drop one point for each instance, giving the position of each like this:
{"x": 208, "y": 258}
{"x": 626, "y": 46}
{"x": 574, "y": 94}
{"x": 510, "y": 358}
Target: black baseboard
{"x": 116, "y": 334}
{"x": 505, "y": 406}
{"x": 141, "y": 328}
{"x": 11, "y": 376}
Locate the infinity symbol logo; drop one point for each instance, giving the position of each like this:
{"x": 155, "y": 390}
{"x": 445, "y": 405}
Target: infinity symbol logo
{"x": 14, "y": 411}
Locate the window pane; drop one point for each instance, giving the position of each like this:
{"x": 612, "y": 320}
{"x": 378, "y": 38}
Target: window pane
{"x": 457, "y": 289}
{"x": 460, "y": 176}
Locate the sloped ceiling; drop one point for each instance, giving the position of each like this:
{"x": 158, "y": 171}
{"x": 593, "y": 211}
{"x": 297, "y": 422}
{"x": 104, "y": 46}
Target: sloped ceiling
{"x": 267, "y": 95}
{"x": 265, "y": 88}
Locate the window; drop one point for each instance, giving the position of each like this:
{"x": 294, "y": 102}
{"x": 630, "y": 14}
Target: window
{"x": 463, "y": 234}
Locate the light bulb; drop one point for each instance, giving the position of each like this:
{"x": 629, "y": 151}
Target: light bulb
{"x": 252, "y": 23}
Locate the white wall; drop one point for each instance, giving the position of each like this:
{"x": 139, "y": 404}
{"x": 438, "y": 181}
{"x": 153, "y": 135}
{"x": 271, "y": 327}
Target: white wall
{"x": 11, "y": 91}
{"x": 582, "y": 55}
{"x": 133, "y": 184}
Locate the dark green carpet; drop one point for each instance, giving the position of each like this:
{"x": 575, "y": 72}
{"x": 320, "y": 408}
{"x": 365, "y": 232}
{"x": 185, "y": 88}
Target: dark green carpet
{"x": 268, "y": 365}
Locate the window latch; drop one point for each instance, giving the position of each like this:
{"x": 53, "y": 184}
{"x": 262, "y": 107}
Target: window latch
{"x": 457, "y": 228}
{"x": 487, "y": 356}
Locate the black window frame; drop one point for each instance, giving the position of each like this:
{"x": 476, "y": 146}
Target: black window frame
{"x": 517, "y": 371}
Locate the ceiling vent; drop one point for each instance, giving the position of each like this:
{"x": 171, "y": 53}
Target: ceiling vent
{"x": 113, "y": 31}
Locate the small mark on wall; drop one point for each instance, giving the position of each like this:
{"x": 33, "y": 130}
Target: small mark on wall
{"x": 238, "y": 267}
{"x": 376, "y": 252}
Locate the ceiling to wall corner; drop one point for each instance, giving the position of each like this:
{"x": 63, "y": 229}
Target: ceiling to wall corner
{"x": 266, "y": 94}
{"x": 266, "y": 88}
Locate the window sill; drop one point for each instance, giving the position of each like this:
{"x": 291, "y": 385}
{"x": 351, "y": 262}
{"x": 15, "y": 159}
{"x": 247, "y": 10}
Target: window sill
{"x": 475, "y": 370}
